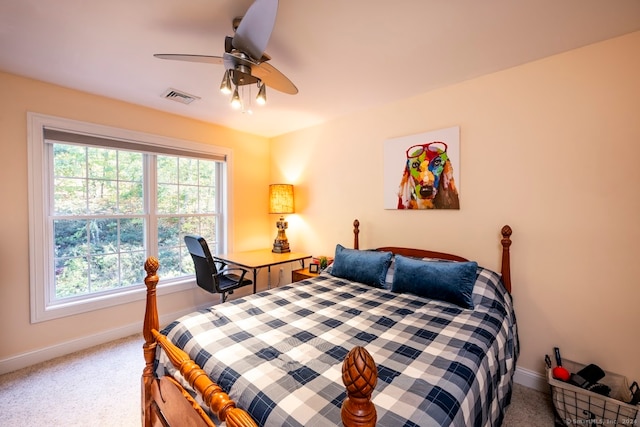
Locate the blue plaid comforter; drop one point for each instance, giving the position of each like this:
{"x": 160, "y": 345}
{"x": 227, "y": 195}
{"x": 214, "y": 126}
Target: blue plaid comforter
{"x": 279, "y": 353}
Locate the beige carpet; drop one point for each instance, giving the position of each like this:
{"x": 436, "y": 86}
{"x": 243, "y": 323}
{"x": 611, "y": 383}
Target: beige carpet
{"x": 79, "y": 390}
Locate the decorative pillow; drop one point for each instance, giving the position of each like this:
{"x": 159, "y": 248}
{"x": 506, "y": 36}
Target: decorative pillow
{"x": 368, "y": 267}
{"x": 445, "y": 281}
{"x": 388, "y": 282}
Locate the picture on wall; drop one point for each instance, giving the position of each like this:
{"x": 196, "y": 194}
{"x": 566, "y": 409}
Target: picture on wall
{"x": 422, "y": 171}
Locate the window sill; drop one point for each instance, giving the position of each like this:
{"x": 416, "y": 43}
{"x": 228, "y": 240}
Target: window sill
{"x": 86, "y": 305}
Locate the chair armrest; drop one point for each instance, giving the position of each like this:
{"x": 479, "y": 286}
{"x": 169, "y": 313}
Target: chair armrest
{"x": 227, "y": 270}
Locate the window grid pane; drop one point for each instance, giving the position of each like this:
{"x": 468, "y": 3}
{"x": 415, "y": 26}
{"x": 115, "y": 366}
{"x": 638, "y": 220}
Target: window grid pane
{"x": 186, "y": 205}
{"x": 185, "y": 185}
{"x": 94, "y": 255}
{"x": 89, "y": 180}
{"x": 176, "y": 260}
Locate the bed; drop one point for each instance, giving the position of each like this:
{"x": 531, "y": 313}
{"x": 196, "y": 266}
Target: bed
{"x": 359, "y": 345}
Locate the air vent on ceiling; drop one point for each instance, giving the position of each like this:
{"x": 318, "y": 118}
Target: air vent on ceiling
{"x": 179, "y": 96}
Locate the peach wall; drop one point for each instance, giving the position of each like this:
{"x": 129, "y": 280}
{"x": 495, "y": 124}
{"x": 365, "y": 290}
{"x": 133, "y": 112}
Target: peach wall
{"x": 20, "y": 95}
{"x": 551, "y": 148}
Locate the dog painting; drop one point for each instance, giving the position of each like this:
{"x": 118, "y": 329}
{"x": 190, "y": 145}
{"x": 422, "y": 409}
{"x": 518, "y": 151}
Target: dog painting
{"x": 428, "y": 179}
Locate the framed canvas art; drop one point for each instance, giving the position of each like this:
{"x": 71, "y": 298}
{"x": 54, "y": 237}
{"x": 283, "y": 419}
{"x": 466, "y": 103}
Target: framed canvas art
{"x": 422, "y": 171}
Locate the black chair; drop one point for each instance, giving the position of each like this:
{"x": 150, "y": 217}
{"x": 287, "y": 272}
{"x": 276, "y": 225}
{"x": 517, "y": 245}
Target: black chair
{"x": 209, "y": 277}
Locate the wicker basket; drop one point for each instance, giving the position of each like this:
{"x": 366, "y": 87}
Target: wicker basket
{"x": 577, "y": 406}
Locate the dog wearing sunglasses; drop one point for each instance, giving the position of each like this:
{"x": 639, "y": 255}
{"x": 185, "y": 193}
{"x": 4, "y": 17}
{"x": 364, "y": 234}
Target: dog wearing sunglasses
{"x": 427, "y": 181}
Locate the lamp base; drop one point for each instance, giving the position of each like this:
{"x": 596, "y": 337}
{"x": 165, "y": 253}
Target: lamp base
{"x": 281, "y": 243}
{"x": 280, "y": 247}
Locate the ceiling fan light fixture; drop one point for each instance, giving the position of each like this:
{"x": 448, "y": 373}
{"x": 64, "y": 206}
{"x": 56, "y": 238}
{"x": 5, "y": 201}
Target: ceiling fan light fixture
{"x": 236, "y": 103}
{"x": 261, "y": 98}
{"x": 225, "y": 86}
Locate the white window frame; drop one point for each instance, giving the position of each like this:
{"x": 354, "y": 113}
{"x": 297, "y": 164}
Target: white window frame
{"x": 40, "y": 238}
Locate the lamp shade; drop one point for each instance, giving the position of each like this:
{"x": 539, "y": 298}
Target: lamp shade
{"x": 281, "y": 199}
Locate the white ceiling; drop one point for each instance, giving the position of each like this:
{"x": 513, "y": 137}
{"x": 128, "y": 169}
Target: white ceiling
{"x": 343, "y": 55}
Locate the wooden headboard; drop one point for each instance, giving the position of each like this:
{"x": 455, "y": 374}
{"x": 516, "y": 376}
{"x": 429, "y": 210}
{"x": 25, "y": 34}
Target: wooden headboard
{"x": 422, "y": 253}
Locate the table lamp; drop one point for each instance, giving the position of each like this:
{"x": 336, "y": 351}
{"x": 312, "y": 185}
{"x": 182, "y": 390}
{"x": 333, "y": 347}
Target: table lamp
{"x": 281, "y": 202}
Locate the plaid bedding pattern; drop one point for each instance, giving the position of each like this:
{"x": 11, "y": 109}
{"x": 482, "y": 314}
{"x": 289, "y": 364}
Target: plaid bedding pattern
{"x": 279, "y": 353}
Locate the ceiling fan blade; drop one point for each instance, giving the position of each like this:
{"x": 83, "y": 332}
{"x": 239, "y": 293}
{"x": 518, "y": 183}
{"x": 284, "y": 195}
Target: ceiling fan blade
{"x": 255, "y": 29}
{"x": 191, "y": 58}
{"x": 273, "y": 78}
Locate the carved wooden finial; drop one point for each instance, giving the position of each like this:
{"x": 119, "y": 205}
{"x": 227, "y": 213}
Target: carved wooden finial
{"x": 360, "y": 375}
{"x": 506, "y": 235}
{"x": 151, "y": 320}
{"x": 151, "y": 266}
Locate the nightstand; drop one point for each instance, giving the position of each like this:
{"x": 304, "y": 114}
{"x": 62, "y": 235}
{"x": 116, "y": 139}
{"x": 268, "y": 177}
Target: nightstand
{"x": 301, "y": 274}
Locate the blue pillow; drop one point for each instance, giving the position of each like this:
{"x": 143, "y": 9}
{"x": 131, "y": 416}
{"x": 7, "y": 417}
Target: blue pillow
{"x": 368, "y": 267}
{"x": 445, "y": 281}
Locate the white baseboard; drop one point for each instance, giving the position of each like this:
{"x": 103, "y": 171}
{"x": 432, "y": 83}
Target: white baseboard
{"x": 531, "y": 379}
{"x": 43, "y": 354}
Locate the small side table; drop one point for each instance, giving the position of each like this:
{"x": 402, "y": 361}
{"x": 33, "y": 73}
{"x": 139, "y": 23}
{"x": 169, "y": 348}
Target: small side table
{"x": 301, "y": 274}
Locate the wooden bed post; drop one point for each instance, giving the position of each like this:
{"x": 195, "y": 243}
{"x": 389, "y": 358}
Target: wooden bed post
{"x": 359, "y": 375}
{"x": 151, "y": 322}
{"x": 506, "y": 262}
{"x": 356, "y": 231}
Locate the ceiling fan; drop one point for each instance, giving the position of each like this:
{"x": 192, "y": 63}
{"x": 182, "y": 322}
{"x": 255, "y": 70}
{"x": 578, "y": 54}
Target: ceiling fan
{"x": 244, "y": 59}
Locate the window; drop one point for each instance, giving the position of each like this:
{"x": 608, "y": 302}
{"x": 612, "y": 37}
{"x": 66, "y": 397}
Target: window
{"x": 104, "y": 199}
